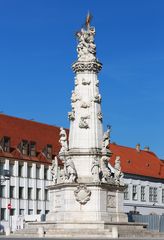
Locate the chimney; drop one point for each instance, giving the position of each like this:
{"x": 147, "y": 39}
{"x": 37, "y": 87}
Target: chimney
{"x": 147, "y": 149}
{"x": 138, "y": 147}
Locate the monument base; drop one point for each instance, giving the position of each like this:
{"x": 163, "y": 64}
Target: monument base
{"x": 73, "y": 203}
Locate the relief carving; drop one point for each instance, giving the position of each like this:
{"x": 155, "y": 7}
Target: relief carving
{"x": 99, "y": 115}
{"x": 83, "y": 122}
{"x": 71, "y": 115}
{"x": 97, "y": 98}
{"x": 86, "y": 81}
{"x": 82, "y": 194}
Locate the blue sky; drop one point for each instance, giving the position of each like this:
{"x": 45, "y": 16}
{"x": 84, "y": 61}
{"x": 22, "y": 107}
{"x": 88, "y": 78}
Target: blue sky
{"x": 38, "y": 46}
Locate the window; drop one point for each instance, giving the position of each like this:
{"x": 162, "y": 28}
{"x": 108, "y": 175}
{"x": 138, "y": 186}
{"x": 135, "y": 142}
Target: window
{"x": 46, "y": 212}
{"x": 11, "y": 169}
{"x": 3, "y": 213}
{"x": 32, "y": 149}
{"x": 162, "y": 195}
{"x": 48, "y": 151}
{"x": 134, "y": 192}
{"x": 29, "y": 171}
{"x": 2, "y": 191}
{"x": 24, "y": 147}
{"x": 45, "y": 173}
{"x": 21, "y": 212}
{"x": 46, "y": 195}
{"x": 12, "y": 212}
{"x": 38, "y": 172}
{"x": 153, "y": 194}
{"x": 20, "y": 170}
{"x": 38, "y": 194}
{"x": 29, "y": 193}
{"x": 142, "y": 193}
{"x": 38, "y": 211}
{"x": 126, "y": 193}
{"x": 21, "y": 192}
{"x": 5, "y": 144}
{"x": 12, "y": 190}
{"x": 30, "y": 211}
{"x": 2, "y": 166}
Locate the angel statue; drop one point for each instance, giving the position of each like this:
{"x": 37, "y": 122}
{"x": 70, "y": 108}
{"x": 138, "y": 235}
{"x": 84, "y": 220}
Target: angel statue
{"x": 63, "y": 140}
{"x": 106, "y": 173}
{"x": 106, "y": 139}
{"x": 118, "y": 175}
{"x": 54, "y": 170}
{"x": 70, "y": 170}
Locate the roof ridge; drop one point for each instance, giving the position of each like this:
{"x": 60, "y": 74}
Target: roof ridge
{"x": 32, "y": 121}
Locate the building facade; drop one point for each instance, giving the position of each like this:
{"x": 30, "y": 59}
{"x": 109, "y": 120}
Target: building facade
{"x": 27, "y": 149}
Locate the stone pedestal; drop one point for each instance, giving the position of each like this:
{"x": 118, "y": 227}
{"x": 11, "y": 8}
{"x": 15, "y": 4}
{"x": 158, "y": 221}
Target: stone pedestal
{"x": 79, "y": 205}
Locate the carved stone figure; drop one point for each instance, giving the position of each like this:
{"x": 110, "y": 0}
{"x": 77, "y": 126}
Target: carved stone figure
{"x": 63, "y": 140}
{"x": 95, "y": 170}
{"x": 54, "y": 170}
{"x": 97, "y": 98}
{"x": 86, "y": 48}
{"x": 118, "y": 175}
{"x": 85, "y": 105}
{"x": 71, "y": 115}
{"x": 106, "y": 139}
{"x": 99, "y": 115}
{"x": 70, "y": 170}
{"x": 86, "y": 81}
{"x": 82, "y": 194}
{"x": 62, "y": 177}
{"x": 106, "y": 173}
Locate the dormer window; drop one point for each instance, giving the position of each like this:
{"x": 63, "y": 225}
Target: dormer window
{"x": 48, "y": 151}
{"x": 5, "y": 144}
{"x": 32, "y": 149}
{"x": 24, "y": 147}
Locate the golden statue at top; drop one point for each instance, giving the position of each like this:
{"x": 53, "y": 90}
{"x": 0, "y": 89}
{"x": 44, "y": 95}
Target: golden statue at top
{"x": 88, "y": 20}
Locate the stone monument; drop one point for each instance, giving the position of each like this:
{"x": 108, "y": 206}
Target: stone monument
{"x": 86, "y": 196}
{"x": 88, "y": 191}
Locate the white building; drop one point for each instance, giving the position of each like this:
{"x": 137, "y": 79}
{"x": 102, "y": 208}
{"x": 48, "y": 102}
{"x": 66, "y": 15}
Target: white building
{"x": 27, "y": 149}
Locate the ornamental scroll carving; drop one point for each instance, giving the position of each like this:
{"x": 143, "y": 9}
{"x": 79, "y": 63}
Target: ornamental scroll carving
{"x": 83, "y": 122}
{"x": 82, "y": 194}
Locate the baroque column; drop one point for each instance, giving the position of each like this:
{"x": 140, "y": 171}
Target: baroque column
{"x": 87, "y": 188}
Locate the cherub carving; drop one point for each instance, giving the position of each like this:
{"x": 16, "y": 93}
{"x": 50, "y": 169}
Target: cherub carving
{"x": 97, "y": 98}
{"x": 71, "y": 115}
{"x": 99, "y": 115}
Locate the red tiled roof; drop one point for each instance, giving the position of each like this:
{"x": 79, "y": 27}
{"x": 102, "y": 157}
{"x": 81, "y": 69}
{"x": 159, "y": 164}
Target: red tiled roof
{"x": 142, "y": 163}
{"x": 20, "y": 129}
